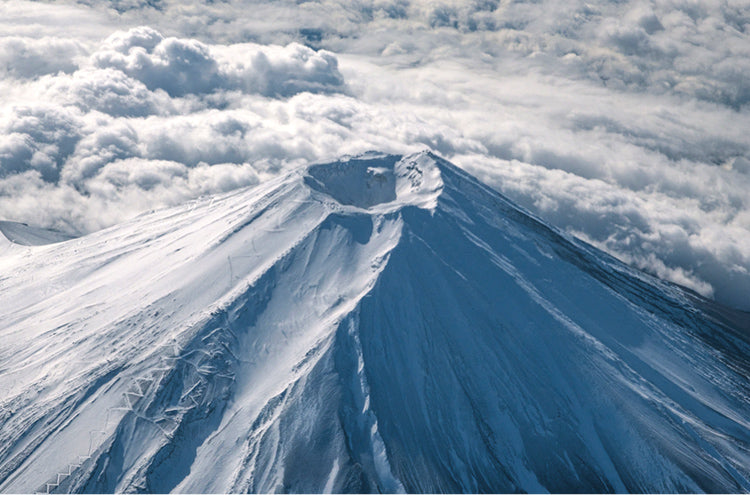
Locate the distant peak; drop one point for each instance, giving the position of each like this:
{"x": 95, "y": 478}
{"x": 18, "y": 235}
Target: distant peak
{"x": 379, "y": 180}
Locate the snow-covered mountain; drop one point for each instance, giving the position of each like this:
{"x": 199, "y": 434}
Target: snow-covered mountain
{"x": 382, "y": 323}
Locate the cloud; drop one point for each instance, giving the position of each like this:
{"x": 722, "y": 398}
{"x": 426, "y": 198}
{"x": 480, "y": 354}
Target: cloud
{"x": 24, "y": 57}
{"x": 39, "y": 138}
{"x": 106, "y": 90}
{"x": 143, "y": 120}
{"x": 121, "y": 190}
{"x": 39, "y": 20}
{"x": 620, "y": 122}
{"x": 183, "y": 66}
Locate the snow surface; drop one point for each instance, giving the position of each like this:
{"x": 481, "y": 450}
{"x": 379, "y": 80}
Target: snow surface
{"x": 378, "y": 323}
{"x": 25, "y": 235}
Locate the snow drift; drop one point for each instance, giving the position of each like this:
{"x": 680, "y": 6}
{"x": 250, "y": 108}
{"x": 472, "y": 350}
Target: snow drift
{"x": 381, "y": 323}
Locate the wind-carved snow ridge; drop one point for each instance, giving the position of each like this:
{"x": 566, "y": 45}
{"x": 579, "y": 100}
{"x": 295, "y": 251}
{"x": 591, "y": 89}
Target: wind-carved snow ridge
{"x": 378, "y": 323}
{"x": 386, "y": 481}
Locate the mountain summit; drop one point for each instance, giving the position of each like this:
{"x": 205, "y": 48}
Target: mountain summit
{"x": 381, "y": 323}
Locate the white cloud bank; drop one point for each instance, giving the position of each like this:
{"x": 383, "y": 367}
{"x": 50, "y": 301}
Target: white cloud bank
{"x": 622, "y": 122}
{"x": 187, "y": 66}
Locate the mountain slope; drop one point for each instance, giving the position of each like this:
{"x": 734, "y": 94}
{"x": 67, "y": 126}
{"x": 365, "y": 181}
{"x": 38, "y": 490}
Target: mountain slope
{"x": 381, "y": 323}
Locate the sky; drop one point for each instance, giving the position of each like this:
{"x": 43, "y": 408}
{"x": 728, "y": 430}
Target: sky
{"x": 625, "y": 123}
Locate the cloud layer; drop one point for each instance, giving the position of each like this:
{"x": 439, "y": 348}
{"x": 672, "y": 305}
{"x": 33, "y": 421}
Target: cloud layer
{"x": 621, "y": 122}
{"x": 187, "y": 66}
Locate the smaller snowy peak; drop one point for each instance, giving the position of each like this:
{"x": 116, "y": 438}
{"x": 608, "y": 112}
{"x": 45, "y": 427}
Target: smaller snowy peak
{"x": 25, "y": 235}
{"x": 379, "y": 181}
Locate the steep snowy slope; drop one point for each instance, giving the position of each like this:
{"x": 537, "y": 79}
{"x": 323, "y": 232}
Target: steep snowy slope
{"x": 380, "y": 323}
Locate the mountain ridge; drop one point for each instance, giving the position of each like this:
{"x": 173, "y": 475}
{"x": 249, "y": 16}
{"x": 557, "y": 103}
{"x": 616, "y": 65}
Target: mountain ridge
{"x": 381, "y": 323}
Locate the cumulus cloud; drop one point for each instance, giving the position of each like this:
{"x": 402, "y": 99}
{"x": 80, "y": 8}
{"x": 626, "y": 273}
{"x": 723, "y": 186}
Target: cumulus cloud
{"x": 25, "y": 57}
{"x": 182, "y": 66}
{"x": 106, "y": 90}
{"x": 620, "y": 122}
{"x": 143, "y": 120}
{"x": 39, "y": 138}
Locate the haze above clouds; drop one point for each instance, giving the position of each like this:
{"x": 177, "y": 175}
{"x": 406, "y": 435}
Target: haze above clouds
{"x": 624, "y": 123}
